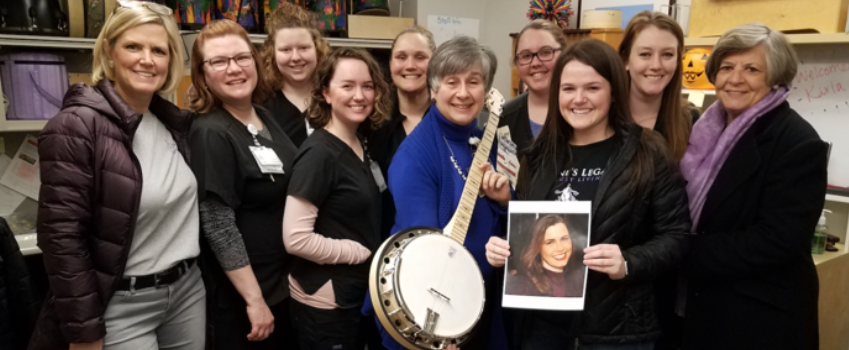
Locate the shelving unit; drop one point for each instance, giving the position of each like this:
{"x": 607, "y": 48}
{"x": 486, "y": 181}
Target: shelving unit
{"x": 707, "y": 92}
{"x": 28, "y": 245}
{"x": 798, "y": 39}
{"x": 21, "y": 125}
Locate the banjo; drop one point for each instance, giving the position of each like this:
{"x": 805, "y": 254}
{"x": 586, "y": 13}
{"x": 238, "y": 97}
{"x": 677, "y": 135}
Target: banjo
{"x": 426, "y": 288}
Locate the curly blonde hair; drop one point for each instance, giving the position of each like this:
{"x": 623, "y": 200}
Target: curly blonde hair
{"x": 285, "y": 16}
{"x": 319, "y": 111}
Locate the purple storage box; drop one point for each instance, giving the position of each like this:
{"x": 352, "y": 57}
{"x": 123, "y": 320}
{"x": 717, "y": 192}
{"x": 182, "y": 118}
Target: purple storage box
{"x": 34, "y": 85}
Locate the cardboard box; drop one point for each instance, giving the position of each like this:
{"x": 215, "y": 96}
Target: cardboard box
{"x": 714, "y": 17}
{"x": 377, "y": 27}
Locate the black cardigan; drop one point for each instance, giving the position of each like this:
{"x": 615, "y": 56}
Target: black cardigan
{"x": 752, "y": 281}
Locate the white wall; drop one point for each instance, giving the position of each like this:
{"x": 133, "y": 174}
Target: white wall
{"x": 502, "y": 18}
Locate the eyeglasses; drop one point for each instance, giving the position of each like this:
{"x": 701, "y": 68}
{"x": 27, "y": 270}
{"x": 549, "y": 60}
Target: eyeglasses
{"x": 545, "y": 54}
{"x": 152, "y": 6}
{"x": 221, "y": 63}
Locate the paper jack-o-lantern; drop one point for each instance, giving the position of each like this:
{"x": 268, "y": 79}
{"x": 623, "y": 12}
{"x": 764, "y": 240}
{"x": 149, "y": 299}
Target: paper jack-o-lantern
{"x": 695, "y": 76}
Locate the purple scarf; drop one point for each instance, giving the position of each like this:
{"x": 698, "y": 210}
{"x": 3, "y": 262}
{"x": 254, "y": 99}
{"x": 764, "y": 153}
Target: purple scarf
{"x": 711, "y": 142}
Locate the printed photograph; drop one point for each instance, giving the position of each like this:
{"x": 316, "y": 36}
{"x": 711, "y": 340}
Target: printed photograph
{"x": 545, "y": 269}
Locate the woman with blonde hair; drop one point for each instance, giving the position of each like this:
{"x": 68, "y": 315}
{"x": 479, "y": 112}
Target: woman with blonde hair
{"x": 118, "y": 217}
{"x": 242, "y": 159}
{"x": 291, "y": 52}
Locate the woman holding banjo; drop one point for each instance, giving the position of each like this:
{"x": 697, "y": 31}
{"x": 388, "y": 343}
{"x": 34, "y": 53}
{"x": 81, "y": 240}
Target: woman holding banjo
{"x": 429, "y": 172}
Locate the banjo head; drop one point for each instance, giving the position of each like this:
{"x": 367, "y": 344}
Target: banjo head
{"x": 426, "y": 288}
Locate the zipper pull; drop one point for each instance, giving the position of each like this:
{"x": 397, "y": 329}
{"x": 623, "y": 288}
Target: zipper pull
{"x": 272, "y": 177}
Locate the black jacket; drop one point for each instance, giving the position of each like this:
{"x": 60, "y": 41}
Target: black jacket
{"x": 752, "y": 281}
{"x": 650, "y": 224}
{"x": 18, "y": 302}
{"x": 515, "y": 117}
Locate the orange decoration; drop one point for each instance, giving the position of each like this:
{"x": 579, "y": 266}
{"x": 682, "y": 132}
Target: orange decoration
{"x": 695, "y": 76}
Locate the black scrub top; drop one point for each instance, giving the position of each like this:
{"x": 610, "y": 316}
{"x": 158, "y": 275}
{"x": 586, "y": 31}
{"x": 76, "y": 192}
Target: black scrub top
{"x": 515, "y": 116}
{"x": 328, "y": 174}
{"x": 225, "y": 167}
{"x": 290, "y": 118}
{"x": 382, "y": 145}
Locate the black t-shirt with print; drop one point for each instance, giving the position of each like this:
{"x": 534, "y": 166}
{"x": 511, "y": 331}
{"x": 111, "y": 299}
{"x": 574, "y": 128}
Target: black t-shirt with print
{"x": 579, "y": 180}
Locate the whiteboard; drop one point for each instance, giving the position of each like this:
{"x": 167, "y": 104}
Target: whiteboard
{"x": 820, "y": 94}
{"x": 446, "y": 27}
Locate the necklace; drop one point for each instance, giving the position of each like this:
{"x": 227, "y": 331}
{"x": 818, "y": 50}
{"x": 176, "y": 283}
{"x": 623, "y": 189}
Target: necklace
{"x": 454, "y": 160}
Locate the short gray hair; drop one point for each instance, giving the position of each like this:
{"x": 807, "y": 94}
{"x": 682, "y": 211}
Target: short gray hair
{"x": 781, "y": 59}
{"x": 459, "y": 55}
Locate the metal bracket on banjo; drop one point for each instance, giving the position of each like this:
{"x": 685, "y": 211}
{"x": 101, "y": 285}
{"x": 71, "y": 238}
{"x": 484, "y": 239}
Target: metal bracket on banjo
{"x": 430, "y": 323}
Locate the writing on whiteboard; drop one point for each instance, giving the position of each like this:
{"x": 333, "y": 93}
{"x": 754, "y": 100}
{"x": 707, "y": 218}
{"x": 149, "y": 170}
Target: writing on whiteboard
{"x": 817, "y": 82}
{"x": 446, "y": 27}
{"x": 448, "y": 20}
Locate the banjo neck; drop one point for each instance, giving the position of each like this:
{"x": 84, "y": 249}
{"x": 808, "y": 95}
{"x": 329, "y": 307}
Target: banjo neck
{"x": 458, "y": 226}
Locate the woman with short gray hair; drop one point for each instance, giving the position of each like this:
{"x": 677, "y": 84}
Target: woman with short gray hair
{"x": 756, "y": 175}
{"x": 429, "y": 170}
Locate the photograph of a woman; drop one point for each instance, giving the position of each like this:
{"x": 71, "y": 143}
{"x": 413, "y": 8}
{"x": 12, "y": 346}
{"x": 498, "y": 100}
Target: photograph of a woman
{"x": 550, "y": 261}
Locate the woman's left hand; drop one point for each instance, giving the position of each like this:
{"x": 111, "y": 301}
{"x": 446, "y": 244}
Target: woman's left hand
{"x": 606, "y": 258}
{"x": 495, "y": 185}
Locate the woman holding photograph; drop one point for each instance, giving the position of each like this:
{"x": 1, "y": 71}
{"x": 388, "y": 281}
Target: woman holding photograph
{"x": 542, "y": 266}
{"x": 590, "y": 150}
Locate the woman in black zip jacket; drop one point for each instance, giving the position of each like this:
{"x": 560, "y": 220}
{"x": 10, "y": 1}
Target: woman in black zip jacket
{"x": 589, "y": 150}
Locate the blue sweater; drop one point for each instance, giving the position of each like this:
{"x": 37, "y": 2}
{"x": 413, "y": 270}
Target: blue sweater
{"x": 427, "y": 188}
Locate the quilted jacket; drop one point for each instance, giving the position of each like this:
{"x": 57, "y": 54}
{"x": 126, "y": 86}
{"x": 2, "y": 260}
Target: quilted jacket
{"x": 649, "y": 222}
{"x": 91, "y": 185}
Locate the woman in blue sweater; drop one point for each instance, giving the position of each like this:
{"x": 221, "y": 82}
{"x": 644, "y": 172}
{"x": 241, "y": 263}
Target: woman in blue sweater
{"x": 429, "y": 170}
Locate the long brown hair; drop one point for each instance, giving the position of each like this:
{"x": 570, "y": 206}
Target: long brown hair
{"x": 288, "y": 15}
{"x": 551, "y": 148}
{"x": 673, "y": 120}
{"x": 202, "y": 100}
{"x": 319, "y": 111}
{"x": 531, "y": 263}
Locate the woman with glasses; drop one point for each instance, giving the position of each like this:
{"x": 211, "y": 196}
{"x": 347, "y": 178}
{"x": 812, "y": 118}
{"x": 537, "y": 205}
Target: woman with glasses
{"x": 291, "y": 52}
{"x": 118, "y": 218}
{"x": 537, "y": 48}
{"x": 242, "y": 159}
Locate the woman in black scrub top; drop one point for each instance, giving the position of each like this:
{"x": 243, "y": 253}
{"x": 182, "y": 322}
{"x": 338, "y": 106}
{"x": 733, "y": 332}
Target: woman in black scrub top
{"x": 241, "y": 199}
{"x": 537, "y": 48}
{"x": 332, "y": 218}
{"x": 290, "y": 54}
{"x": 411, "y": 52}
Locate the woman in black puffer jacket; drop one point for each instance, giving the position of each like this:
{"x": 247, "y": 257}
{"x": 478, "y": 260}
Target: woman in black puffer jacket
{"x": 589, "y": 150}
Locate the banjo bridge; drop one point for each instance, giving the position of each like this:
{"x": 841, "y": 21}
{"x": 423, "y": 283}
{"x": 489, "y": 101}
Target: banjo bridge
{"x": 438, "y": 295}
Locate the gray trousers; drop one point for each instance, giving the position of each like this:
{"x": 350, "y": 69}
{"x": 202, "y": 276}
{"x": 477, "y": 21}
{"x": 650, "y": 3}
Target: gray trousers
{"x": 169, "y": 317}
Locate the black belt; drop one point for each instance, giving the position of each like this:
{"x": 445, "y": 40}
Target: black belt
{"x": 159, "y": 279}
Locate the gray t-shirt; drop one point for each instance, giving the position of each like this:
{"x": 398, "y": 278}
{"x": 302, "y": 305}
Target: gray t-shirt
{"x": 167, "y": 226}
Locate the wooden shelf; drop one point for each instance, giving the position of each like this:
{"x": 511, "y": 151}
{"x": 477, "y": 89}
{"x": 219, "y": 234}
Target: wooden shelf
{"x": 798, "y": 39}
{"x": 68, "y": 43}
{"x": 707, "y": 92}
{"x": 340, "y": 42}
{"x": 22, "y": 125}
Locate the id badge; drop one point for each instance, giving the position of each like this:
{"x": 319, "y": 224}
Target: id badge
{"x": 267, "y": 160}
{"x": 378, "y": 176}
{"x": 507, "y": 162}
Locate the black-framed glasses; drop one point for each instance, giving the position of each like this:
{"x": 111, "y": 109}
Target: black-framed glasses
{"x": 544, "y": 54}
{"x": 152, "y": 6}
{"x": 221, "y": 63}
